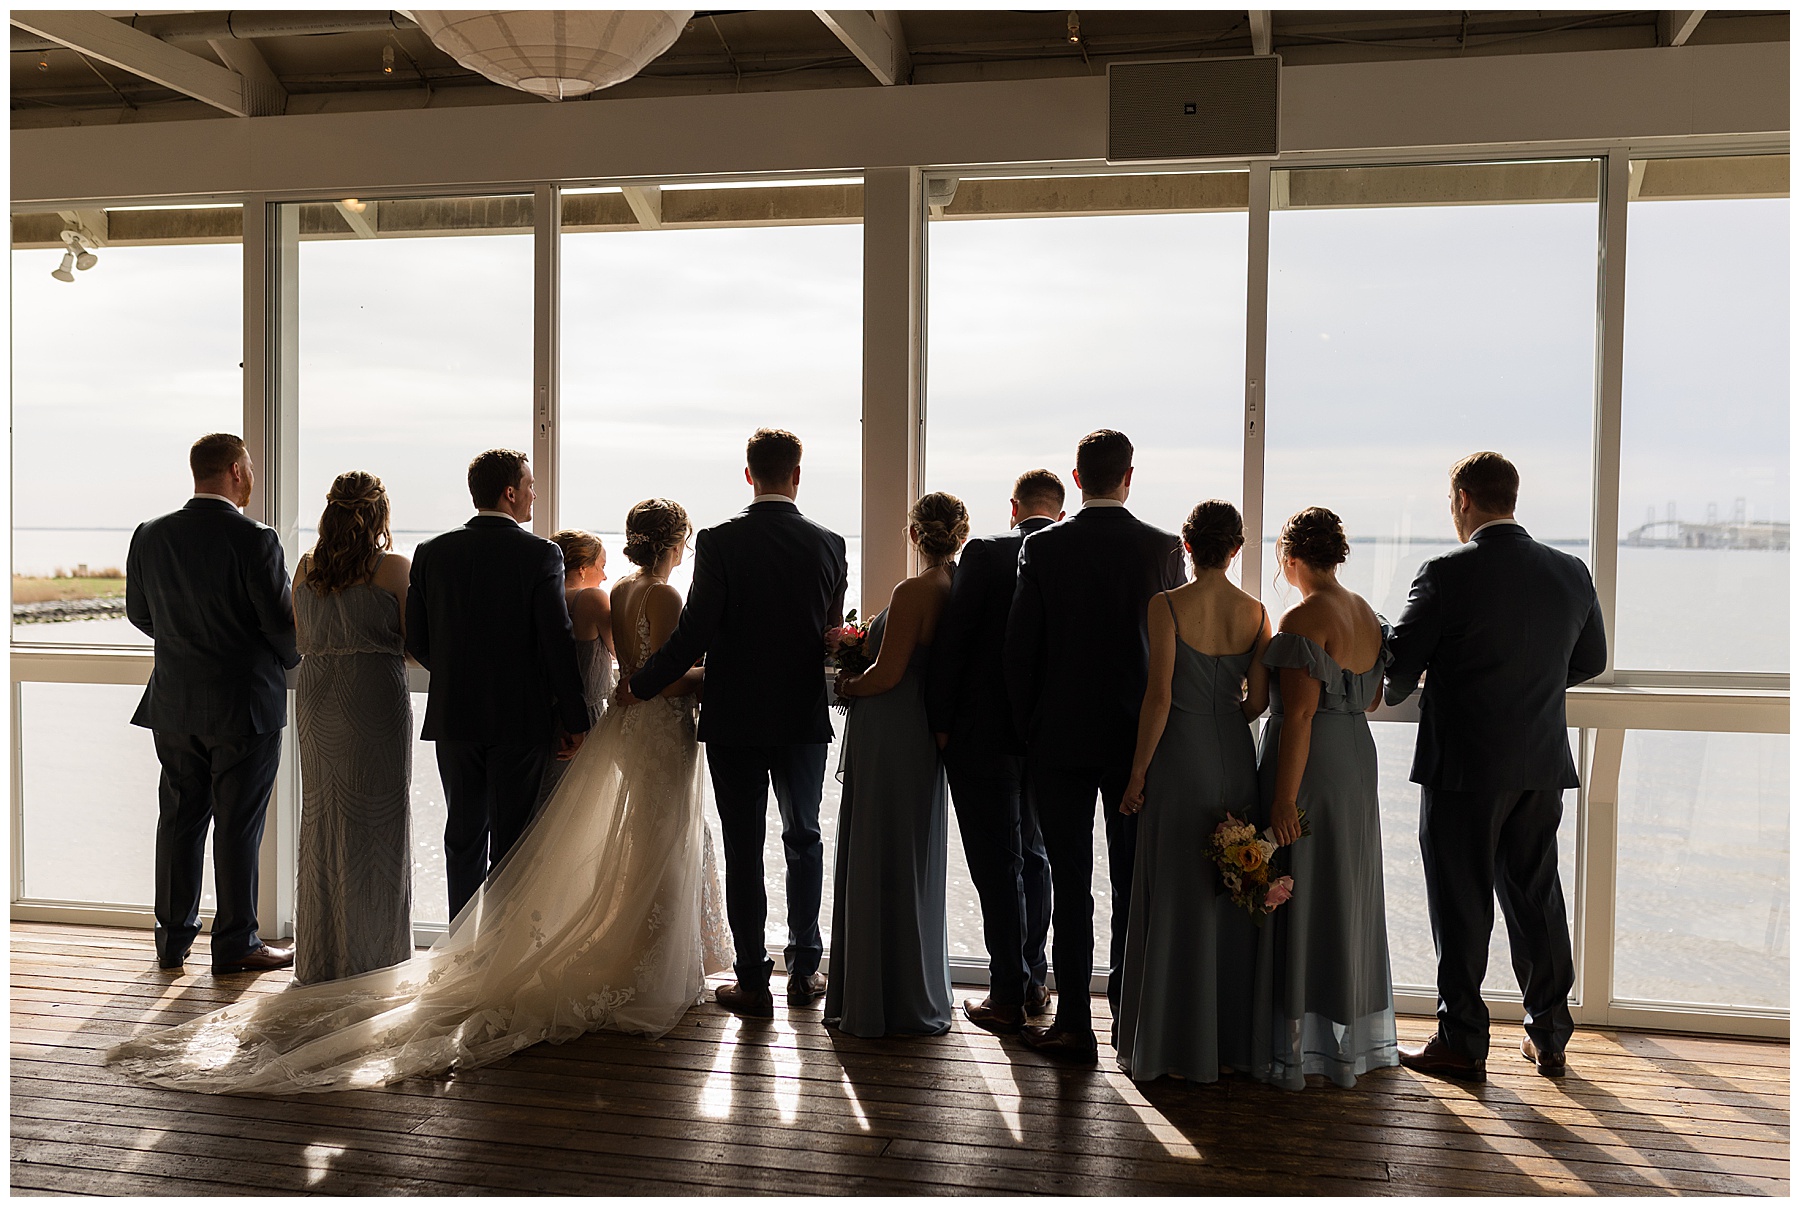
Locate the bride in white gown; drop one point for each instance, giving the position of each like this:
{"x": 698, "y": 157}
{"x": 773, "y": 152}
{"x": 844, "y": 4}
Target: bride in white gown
{"x": 606, "y": 915}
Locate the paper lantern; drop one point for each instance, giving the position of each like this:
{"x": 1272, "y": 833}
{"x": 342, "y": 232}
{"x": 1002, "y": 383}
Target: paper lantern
{"x": 553, "y": 54}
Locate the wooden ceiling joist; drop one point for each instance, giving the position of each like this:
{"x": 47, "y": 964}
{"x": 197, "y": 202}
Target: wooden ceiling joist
{"x": 113, "y": 42}
{"x": 873, "y": 37}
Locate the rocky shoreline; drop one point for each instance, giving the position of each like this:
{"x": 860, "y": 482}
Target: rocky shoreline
{"x": 52, "y": 610}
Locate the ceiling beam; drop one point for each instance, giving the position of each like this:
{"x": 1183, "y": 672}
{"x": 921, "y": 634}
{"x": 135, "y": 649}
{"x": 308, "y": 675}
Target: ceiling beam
{"x": 1262, "y": 30}
{"x": 646, "y": 204}
{"x": 263, "y": 94}
{"x": 1675, "y": 26}
{"x": 113, "y": 42}
{"x": 357, "y": 220}
{"x": 873, "y": 37}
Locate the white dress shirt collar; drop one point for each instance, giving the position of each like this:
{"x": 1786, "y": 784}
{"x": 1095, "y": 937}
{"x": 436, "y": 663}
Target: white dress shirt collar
{"x": 504, "y": 515}
{"x": 772, "y": 499}
{"x": 201, "y": 494}
{"x": 1494, "y": 524}
{"x": 1087, "y": 503}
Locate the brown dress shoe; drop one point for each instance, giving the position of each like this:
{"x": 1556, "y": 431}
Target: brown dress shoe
{"x": 260, "y": 959}
{"x": 804, "y": 990}
{"x": 1550, "y": 1064}
{"x": 1037, "y": 1001}
{"x": 1437, "y": 1059}
{"x": 746, "y": 1003}
{"x": 1076, "y": 1047}
{"x": 1001, "y": 1020}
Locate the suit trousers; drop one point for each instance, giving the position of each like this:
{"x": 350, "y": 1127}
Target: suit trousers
{"x": 1476, "y": 846}
{"x": 1063, "y": 799}
{"x": 223, "y": 782}
{"x": 1007, "y": 864}
{"x": 742, "y": 777}
{"x": 490, "y": 796}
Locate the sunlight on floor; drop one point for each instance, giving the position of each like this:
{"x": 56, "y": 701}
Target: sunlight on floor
{"x": 316, "y": 1159}
{"x": 784, "y": 1053}
{"x": 1003, "y": 1086}
{"x": 862, "y": 1120}
{"x": 1169, "y": 1136}
{"x": 715, "y": 1094}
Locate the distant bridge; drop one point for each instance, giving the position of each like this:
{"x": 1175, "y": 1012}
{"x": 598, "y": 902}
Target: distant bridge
{"x": 1684, "y": 534}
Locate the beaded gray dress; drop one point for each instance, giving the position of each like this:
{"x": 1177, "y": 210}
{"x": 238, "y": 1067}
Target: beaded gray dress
{"x": 353, "y": 886}
{"x": 1324, "y": 994}
{"x": 1186, "y": 989}
{"x": 890, "y": 943}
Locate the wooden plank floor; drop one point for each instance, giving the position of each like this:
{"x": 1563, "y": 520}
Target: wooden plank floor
{"x": 721, "y": 1106}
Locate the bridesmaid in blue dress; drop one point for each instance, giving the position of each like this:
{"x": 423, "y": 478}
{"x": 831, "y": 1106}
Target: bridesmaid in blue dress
{"x": 890, "y": 946}
{"x": 1185, "y": 997}
{"x": 1324, "y": 996}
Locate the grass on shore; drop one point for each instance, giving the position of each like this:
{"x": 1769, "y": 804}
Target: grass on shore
{"x": 26, "y": 589}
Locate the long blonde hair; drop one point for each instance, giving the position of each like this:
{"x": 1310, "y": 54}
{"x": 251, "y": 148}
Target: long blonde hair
{"x": 353, "y": 533}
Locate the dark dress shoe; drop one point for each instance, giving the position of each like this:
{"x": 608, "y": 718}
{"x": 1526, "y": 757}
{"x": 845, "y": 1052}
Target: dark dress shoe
{"x": 171, "y": 962}
{"x": 1037, "y": 1001}
{"x": 259, "y": 959}
{"x": 1076, "y": 1047}
{"x": 1550, "y": 1064}
{"x": 746, "y": 1003}
{"x": 1001, "y": 1020}
{"x": 805, "y": 990}
{"x": 1437, "y": 1059}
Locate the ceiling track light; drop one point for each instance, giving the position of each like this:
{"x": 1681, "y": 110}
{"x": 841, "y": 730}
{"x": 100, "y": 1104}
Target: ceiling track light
{"x": 62, "y": 272}
{"x": 387, "y": 60}
{"x": 1075, "y": 28}
{"x": 83, "y": 258}
{"x": 353, "y": 205}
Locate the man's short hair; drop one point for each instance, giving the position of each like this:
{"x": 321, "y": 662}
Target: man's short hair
{"x": 772, "y": 455}
{"x": 1491, "y": 481}
{"x": 214, "y": 454}
{"x": 490, "y": 473}
{"x": 1040, "y": 490}
{"x": 1102, "y": 459}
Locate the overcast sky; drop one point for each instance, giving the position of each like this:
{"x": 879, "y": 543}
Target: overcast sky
{"x": 1399, "y": 339}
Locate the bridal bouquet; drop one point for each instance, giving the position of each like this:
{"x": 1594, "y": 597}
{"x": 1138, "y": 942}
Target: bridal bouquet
{"x": 847, "y": 650}
{"x": 1243, "y": 858}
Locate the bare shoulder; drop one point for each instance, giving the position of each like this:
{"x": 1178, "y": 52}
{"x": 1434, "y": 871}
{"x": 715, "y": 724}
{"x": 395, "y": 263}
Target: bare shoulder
{"x": 392, "y": 571}
{"x": 590, "y": 602}
{"x": 1308, "y": 618}
{"x": 662, "y": 599}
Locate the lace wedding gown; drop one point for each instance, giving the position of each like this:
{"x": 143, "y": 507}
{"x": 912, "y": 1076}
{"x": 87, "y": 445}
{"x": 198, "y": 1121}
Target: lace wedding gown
{"x": 606, "y": 915}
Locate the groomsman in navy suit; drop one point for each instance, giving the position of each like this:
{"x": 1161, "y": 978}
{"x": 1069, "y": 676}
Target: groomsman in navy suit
{"x": 1505, "y": 626}
{"x": 209, "y": 586}
{"x": 486, "y": 615}
{"x": 965, "y": 697}
{"x": 768, "y": 582}
{"x": 1077, "y": 661}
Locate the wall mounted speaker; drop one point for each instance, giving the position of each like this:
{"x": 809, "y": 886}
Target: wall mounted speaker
{"x": 1193, "y": 109}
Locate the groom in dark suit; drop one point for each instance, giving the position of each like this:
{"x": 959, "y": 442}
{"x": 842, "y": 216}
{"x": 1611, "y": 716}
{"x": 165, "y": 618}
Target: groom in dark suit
{"x": 209, "y": 586}
{"x": 1077, "y": 660}
{"x": 1505, "y": 626}
{"x": 485, "y": 614}
{"x": 767, "y": 584}
{"x": 965, "y": 697}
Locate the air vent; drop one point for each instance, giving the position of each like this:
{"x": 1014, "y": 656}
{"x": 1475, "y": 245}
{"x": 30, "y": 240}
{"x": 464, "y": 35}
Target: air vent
{"x": 1194, "y": 109}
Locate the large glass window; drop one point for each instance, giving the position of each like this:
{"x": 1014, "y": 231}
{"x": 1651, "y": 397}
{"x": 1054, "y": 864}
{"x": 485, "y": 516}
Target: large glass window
{"x": 1418, "y": 314}
{"x": 691, "y": 316}
{"x": 1703, "y": 468}
{"x": 114, "y": 374}
{"x": 1702, "y": 894}
{"x": 1058, "y": 305}
{"x": 88, "y": 779}
{"x": 415, "y": 345}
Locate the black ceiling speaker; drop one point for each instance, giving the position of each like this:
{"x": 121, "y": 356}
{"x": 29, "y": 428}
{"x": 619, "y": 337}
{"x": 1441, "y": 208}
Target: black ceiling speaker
{"x": 1191, "y": 109}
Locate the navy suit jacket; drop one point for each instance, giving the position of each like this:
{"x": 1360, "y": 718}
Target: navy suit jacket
{"x": 209, "y": 585}
{"x": 965, "y": 685}
{"x": 1077, "y": 648}
{"x": 1506, "y": 625}
{"x": 767, "y": 584}
{"x": 485, "y": 614}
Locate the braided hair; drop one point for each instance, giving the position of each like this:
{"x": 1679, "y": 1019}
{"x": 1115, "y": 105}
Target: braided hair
{"x": 652, "y": 528}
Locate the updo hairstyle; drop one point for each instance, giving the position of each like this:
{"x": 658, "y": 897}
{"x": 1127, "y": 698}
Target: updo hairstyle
{"x": 1214, "y": 530}
{"x": 652, "y": 528}
{"x": 1316, "y": 536}
{"x": 353, "y": 533}
{"x": 579, "y": 549}
{"x": 942, "y": 523}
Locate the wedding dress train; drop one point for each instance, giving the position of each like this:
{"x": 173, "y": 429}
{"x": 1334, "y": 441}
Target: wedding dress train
{"x": 606, "y": 915}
